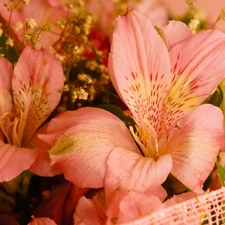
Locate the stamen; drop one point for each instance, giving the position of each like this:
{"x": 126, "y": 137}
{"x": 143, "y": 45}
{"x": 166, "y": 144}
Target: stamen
{"x": 156, "y": 157}
{"x": 5, "y": 119}
{"x": 15, "y": 138}
{"x": 146, "y": 136}
{"x": 24, "y": 114}
{"x": 9, "y": 124}
{"x": 153, "y": 139}
{"x": 147, "y": 141}
{"x": 141, "y": 145}
{"x": 127, "y": 113}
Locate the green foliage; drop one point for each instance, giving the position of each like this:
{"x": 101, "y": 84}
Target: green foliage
{"x": 216, "y": 98}
{"x": 221, "y": 171}
{"x": 8, "y": 51}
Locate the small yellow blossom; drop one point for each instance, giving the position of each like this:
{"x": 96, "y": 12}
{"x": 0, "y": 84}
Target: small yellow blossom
{"x": 18, "y": 26}
{"x": 77, "y": 29}
{"x": 70, "y": 6}
{"x": 82, "y": 94}
{"x": 66, "y": 88}
{"x": 61, "y": 58}
{"x": 31, "y": 23}
{"x": 9, "y": 42}
{"x": 84, "y": 77}
{"x": 76, "y": 50}
{"x": 193, "y": 25}
{"x": 91, "y": 65}
{"x": 80, "y": 3}
{"x": 89, "y": 19}
{"x": 61, "y": 23}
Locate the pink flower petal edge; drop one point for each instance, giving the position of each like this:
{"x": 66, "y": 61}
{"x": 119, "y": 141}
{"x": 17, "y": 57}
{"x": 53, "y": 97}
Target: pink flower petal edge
{"x": 169, "y": 33}
{"x": 41, "y": 221}
{"x": 136, "y": 205}
{"x": 41, "y": 166}
{"x": 14, "y": 160}
{"x": 138, "y": 70}
{"x": 128, "y": 171}
{"x": 197, "y": 68}
{"x": 195, "y": 144}
{"x": 81, "y": 148}
{"x": 95, "y": 208}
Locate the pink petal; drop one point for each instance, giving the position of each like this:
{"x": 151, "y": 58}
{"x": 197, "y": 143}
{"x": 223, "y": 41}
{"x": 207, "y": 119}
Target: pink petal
{"x": 194, "y": 145}
{"x": 118, "y": 203}
{"x": 41, "y": 166}
{"x": 159, "y": 192}
{"x": 136, "y": 205}
{"x": 175, "y": 32}
{"x": 41, "y": 221}
{"x": 175, "y": 8}
{"x": 90, "y": 211}
{"x": 127, "y": 171}
{"x": 83, "y": 141}
{"x": 5, "y": 96}
{"x": 198, "y": 68}
{"x": 139, "y": 67}
{"x": 14, "y": 160}
{"x": 38, "y": 79}
{"x": 153, "y": 10}
{"x": 15, "y": 18}
{"x": 112, "y": 204}
{"x": 49, "y": 12}
{"x": 5, "y": 86}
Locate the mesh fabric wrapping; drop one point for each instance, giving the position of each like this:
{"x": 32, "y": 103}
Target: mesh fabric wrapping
{"x": 204, "y": 209}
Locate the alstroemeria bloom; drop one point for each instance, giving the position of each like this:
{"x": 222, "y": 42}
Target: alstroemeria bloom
{"x": 80, "y": 142}
{"x": 28, "y": 95}
{"x": 129, "y": 207}
{"x": 163, "y": 86}
{"x": 163, "y": 81}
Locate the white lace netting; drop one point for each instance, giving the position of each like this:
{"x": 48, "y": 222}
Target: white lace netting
{"x": 204, "y": 209}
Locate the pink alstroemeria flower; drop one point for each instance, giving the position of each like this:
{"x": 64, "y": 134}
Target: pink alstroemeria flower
{"x": 162, "y": 81}
{"x": 80, "y": 142}
{"x": 28, "y": 93}
{"x": 130, "y": 207}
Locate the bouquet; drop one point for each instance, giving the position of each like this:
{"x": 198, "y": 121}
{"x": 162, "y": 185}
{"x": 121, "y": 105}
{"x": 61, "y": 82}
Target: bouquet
{"x": 112, "y": 112}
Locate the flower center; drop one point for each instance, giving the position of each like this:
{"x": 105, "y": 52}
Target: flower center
{"x": 147, "y": 140}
